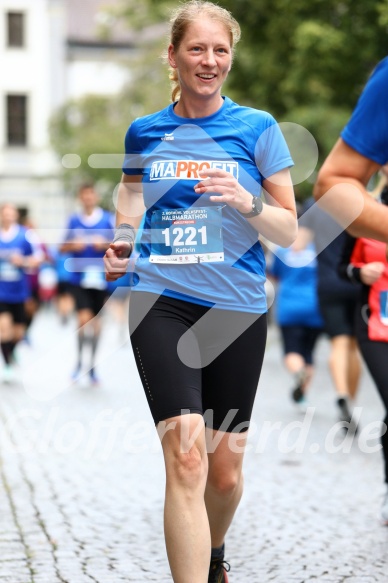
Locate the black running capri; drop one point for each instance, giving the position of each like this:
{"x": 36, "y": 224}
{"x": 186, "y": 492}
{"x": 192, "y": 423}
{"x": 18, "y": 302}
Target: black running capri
{"x": 193, "y": 359}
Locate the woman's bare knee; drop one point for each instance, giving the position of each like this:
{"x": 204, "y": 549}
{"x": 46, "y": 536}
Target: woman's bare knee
{"x": 184, "y": 449}
{"x": 224, "y": 483}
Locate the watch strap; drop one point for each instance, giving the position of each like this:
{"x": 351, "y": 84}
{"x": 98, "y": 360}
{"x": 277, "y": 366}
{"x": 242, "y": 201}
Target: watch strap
{"x": 257, "y": 207}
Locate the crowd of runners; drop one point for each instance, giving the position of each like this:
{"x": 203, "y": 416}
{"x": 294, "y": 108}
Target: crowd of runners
{"x": 68, "y": 277}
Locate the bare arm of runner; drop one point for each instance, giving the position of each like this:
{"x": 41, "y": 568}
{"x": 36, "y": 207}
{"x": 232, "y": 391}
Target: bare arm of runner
{"x": 341, "y": 188}
{"x": 130, "y": 209}
{"x": 277, "y": 222}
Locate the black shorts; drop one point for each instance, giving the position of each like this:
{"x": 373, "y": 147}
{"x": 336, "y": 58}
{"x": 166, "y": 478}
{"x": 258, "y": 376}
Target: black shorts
{"x": 88, "y": 298}
{"x": 188, "y": 365}
{"x": 17, "y": 311}
{"x": 338, "y": 315}
{"x": 64, "y": 288}
{"x": 300, "y": 339}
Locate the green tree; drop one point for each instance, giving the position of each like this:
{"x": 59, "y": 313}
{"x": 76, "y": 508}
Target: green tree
{"x": 304, "y": 61}
{"x": 95, "y": 124}
{"x": 82, "y": 128}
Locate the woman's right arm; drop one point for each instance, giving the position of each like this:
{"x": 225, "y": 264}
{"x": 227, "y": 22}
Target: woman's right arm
{"x": 130, "y": 204}
{"x": 129, "y": 211}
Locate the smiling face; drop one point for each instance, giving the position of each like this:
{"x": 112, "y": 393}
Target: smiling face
{"x": 203, "y": 61}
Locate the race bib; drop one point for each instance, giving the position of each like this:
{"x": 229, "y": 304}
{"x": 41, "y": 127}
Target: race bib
{"x": 93, "y": 278}
{"x": 184, "y": 236}
{"x": 9, "y": 272}
{"x": 384, "y": 307}
{"x": 378, "y": 317}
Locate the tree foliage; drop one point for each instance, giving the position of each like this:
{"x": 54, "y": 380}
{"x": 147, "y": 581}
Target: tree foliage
{"x": 97, "y": 124}
{"x": 304, "y": 61}
{"x": 296, "y": 52}
{"x": 84, "y": 127}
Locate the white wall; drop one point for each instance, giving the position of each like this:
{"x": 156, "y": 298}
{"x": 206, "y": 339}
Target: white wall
{"x": 29, "y": 70}
{"x": 29, "y": 175}
{"x": 49, "y": 73}
{"x": 98, "y": 73}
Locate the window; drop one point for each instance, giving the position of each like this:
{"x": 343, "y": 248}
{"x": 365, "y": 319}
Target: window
{"x": 15, "y": 29}
{"x": 16, "y": 120}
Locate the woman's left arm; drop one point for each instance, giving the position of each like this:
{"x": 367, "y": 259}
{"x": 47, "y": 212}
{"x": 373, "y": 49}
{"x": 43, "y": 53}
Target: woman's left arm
{"x": 277, "y": 221}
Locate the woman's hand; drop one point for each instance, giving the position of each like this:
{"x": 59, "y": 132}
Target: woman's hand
{"x": 228, "y": 188}
{"x": 277, "y": 222}
{"x": 371, "y": 272}
{"x": 116, "y": 260}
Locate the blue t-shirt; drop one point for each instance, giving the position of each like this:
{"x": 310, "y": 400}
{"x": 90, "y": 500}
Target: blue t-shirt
{"x": 14, "y": 286}
{"x": 367, "y": 129}
{"x": 86, "y": 267}
{"x": 296, "y": 300}
{"x": 192, "y": 248}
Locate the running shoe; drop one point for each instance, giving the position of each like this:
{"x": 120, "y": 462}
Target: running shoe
{"x": 346, "y": 415}
{"x": 299, "y": 399}
{"x": 218, "y": 570}
{"x": 8, "y": 375}
{"x": 94, "y": 380}
{"x": 297, "y": 395}
{"x": 384, "y": 510}
{"x": 76, "y": 376}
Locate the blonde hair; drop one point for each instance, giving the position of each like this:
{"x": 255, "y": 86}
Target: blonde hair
{"x": 180, "y": 21}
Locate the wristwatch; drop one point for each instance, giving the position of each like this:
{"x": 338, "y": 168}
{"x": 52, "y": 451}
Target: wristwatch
{"x": 257, "y": 207}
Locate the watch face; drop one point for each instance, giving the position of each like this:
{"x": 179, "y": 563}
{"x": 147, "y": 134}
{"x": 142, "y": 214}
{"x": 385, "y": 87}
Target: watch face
{"x": 257, "y": 205}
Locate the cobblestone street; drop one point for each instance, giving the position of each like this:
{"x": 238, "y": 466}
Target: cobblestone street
{"x": 82, "y": 481}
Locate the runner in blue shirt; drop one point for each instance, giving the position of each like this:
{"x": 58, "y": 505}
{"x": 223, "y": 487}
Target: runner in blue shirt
{"x": 297, "y": 312}
{"x": 358, "y": 154}
{"x": 17, "y": 254}
{"x": 337, "y": 302}
{"x": 198, "y": 312}
{"x": 88, "y": 235}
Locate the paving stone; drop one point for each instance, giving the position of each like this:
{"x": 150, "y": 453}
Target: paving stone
{"x": 82, "y": 499}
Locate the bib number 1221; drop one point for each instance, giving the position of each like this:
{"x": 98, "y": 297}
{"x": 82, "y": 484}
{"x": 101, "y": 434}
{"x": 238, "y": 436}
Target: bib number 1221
{"x": 191, "y": 235}
{"x": 184, "y": 237}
